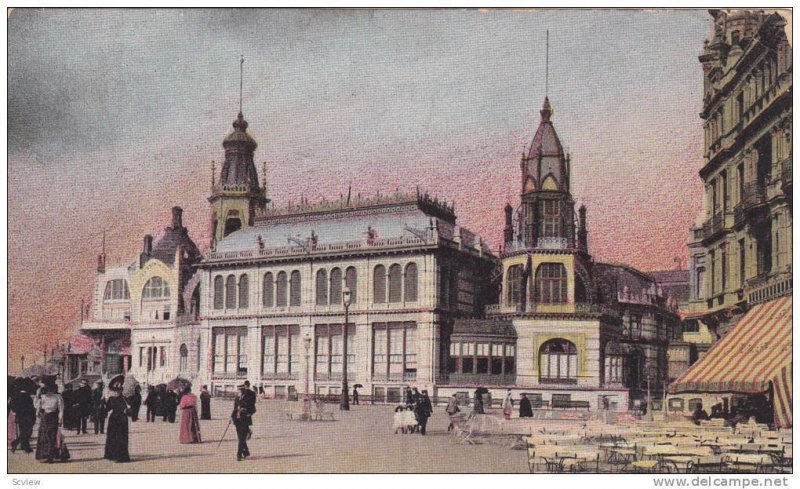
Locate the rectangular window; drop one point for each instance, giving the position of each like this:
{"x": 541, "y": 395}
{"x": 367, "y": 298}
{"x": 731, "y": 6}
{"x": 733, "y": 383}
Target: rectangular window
{"x": 330, "y": 348}
{"x": 636, "y": 325}
{"x": 230, "y": 350}
{"x": 394, "y": 350}
{"x": 550, "y": 219}
{"x": 268, "y": 350}
{"x": 163, "y": 358}
{"x": 141, "y": 356}
{"x": 724, "y": 266}
{"x": 742, "y": 262}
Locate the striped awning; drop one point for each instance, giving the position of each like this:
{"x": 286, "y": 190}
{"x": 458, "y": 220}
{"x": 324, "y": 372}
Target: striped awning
{"x": 755, "y": 352}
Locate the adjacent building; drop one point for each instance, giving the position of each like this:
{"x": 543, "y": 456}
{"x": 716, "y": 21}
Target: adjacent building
{"x": 741, "y": 245}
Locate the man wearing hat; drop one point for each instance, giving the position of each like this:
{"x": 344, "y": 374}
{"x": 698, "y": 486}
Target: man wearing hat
{"x": 83, "y": 401}
{"x": 242, "y": 417}
{"x": 99, "y": 412}
{"x": 423, "y": 410}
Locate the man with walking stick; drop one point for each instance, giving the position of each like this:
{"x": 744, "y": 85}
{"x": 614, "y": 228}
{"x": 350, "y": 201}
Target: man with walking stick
{"x": 242, "y": 418}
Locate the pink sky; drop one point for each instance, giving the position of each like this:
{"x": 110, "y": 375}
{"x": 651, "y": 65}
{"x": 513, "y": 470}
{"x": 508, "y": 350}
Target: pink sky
{"x": 115, "y": 119}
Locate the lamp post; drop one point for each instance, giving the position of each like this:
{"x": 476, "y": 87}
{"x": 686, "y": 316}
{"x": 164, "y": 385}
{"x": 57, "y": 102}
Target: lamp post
{"x": 22, "y": 360}
{"x": 151, "y": 360}
{"x": 306, "y": 402}
{"x": 346, "y": 298}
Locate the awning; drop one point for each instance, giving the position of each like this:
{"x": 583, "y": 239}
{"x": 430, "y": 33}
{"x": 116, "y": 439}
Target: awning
{"x": 753, "y": 353}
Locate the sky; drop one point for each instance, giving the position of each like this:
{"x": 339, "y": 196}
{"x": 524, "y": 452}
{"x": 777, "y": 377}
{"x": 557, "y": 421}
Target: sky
{"x": 114, "y": 116}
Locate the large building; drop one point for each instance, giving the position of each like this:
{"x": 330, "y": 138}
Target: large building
{"x": 265, "y": 304}
{"x": 741, "y": 245}
{"x": 579, "y": 333}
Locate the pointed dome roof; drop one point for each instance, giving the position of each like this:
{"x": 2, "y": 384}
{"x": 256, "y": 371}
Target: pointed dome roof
{"x": 545, "y": 141}
{"x": 239, "y": 136}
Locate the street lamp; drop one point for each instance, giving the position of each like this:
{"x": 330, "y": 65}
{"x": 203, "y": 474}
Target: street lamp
{"x": 306, "y": 403}
{"x": 346, "y": 298}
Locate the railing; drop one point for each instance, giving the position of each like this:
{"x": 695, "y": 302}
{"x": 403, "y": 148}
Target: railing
{"x": 753, "y": 195}
{"x": 478, "y": 379}
{"x": 328, "y": 376}
{"x": 396, "y": 377}
{"x": 279, "y": 376}
{"x": 534, "y": 308}
{"x": 714, "y": 225}
{"x": 552, "y": 243}
{"x": 558, "y": 380}
{"x": 432, "y": 238}
{"x": 769, "y": 288}
{"x": 229, "y": 375}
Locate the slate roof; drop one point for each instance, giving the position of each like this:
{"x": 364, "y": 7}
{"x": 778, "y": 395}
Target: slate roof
{"x": 545, "y": 141}
{"x": 484, "y": 327}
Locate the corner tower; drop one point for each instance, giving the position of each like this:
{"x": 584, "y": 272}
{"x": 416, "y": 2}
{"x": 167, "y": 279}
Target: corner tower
{"x": 237, "y": 196}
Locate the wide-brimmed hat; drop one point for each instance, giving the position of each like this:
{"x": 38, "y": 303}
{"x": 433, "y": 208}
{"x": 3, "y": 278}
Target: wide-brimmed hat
{"x": 246, "y": 383}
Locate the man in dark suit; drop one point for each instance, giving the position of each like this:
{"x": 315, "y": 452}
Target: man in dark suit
{"x": 83, "y": 400}
{"x": 242, "y": 417}
{"x": 25, "y": 414}
{"x": 99, "y": 412}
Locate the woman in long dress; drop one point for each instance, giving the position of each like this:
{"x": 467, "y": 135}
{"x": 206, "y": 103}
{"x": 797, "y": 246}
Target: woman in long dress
{"x": 205, "y": 403}
{"x": 117, "y": 430}
{"x": 508, "y": 405}
{"x": 50, "y": 409}
{"x": 190, "y": 425}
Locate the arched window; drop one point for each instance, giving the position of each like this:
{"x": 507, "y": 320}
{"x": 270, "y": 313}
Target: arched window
{"x": 294, "y": 289}
{"x": 411, "y": 283}
{"x": 219, "y": 292}
{"x": 155, "y": 288}
{"x": 230, "y": 292}
{"x": 244, "y": 292}
{"x": 116, "y": 289}
{"x": 379, "y": 285}
{"x": 558, "y": 362}
{"x": 195, "y": 307}
{"x": 268, "y": 292}
{"x": 551, "y": 283}
{"x": 351, "y": 281}
{"x": 322, "y": 288}
{"x": 280, "y": 294}
{"x": 395, "y": 283}
{"x": 183, "y": 364}
{"x": 336, "y": 286}
{"x": 513, "y": 285}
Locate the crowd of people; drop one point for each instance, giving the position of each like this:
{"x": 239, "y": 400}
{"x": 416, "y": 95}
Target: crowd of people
{"x": 107, "y": 409}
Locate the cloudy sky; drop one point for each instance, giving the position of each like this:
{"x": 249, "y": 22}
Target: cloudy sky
{"x": 115, "y": 116}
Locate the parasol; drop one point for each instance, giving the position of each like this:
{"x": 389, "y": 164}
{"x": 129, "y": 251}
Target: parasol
{"x": 178, "y": 383}
{"x": 358, "y": 386}
{"x": 129, "y": 385}
{"x": 37, "y": 370}
{"x": 481, "y": 390}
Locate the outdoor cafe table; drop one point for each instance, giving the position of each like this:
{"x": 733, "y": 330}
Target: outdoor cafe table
{"x": 623, "y": 453}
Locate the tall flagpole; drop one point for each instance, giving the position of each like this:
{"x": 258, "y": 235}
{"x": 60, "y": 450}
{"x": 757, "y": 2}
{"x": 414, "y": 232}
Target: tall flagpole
{"x": 241, "y": 74}
{"x": 547, "y": 64}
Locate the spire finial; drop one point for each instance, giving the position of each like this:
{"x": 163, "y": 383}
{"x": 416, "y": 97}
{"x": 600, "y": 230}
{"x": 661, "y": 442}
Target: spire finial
{"x": 241, "y": 77}
{"x": 547, "y": 63}
{"x": 264, "y": 176}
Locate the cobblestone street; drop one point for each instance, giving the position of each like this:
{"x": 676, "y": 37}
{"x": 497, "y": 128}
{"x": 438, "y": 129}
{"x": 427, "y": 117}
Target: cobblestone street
{"x": 361, "y": 440}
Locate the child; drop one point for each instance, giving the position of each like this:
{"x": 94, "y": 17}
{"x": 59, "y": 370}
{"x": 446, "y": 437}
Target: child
{"x": 399, "y": 422}
{"x": 410, "y": 420}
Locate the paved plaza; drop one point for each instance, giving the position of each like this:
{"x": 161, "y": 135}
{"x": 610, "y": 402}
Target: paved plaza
{"x": 361, "y": 440}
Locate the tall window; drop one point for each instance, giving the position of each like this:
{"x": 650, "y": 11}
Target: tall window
{"x": 379, "y": 285}
{"x": 351, "y": 280}
{"x": 268, "y": 292}
{"x": 183, "y": 363}
{"x": 550, "y": 211}
{"x": 244, "y": 292}
{"x": 395, "y": 283}
{"x": 322, "y": 288}
{"x": 514, "y": 285}
{"x": 394, "y": 350}
{"x": 614, "y": 369}
{"x": 219, "y": 292}
{"x": 336, "y": 286}
{"x": 155, "y": 288}
{"x": 481, "y": 357}
{"x": 328, "y": 353}
{"x": 230, "y": 292}
{"x": 713, "y": 264}
{"x": 230, "y": 351}
{"x": 742, "y": 262}
{"x": 723, "y": 263}
{"x": 280, "y": 350}
{"x": 411, "y": 283}
{"x": 635, "y": 326}
{"x": 551, "y": 283}
{"x": 558, "y": 362}
{"x": 116, "y": 289}
{"x": 700, "y": 285}
{"x": 294, "y": 289}
{"x": 280, "y": 294}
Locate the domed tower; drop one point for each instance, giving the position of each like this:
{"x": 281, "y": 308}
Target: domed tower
{"x": 237, "y": 196}
{"x": 547, "y": 208}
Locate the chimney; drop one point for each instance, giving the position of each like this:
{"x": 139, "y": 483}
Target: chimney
{"x": 177, "y": 221}
{"x": 583, "y": 242}
{"x": 148, "y": 245}
{"x": 508, "y": 231}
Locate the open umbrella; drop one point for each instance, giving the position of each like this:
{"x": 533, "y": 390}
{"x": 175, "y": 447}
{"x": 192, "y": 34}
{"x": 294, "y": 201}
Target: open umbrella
{"x": 358, "y": 386}
{"x": 129, "y": 385}
{"x": 481, "y": 390}
{"x": 178, "y": 383}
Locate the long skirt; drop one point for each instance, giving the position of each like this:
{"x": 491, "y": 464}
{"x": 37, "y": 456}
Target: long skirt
{"x": 190, "y": 426}
{"x": 46, "y": 448}
{"x": 205, "y": 408}
{"x": 117, "y": 438}
{"x": 12, "y": 428}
